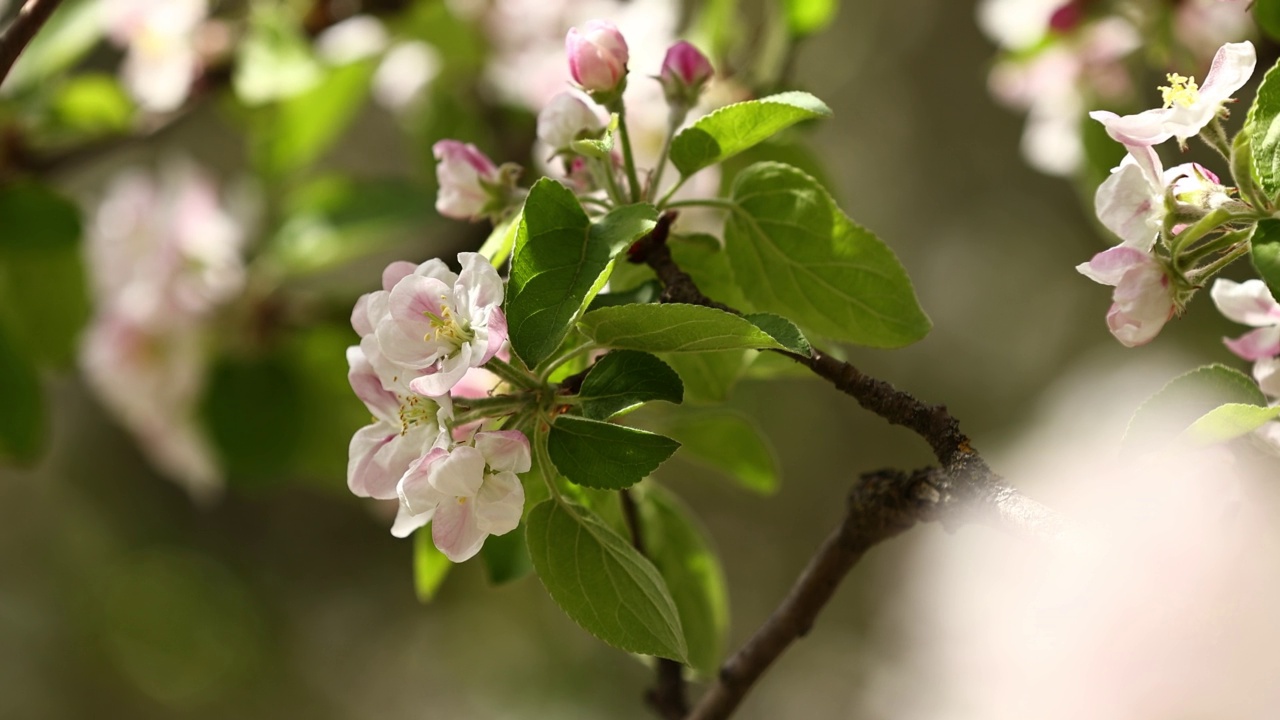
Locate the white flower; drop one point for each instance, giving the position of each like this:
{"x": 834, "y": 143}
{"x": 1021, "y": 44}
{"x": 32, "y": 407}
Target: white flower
{"x": 406, "y": 425}
{"x": 468, "y": 180}
{"x": 356, "y": 38}
{"x": 405, "y": 71}
{"x": 1187, "y": 106}
{"x": 441, "y": 323}
{"x": 1143, "y": 297}
{"x": 160, "y": 57}
{"x": 565, "y": 119}
{"x": 1131, "y": 202}
{"x": 467, "y": 493}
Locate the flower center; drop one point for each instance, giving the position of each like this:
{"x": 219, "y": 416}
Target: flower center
{"x": 416, "y": 410}
{"x": 1181, "y": 90}
{"x": 446, "y": 328}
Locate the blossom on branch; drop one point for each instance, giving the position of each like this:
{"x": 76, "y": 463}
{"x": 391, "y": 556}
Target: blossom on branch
{"x": 159, "y": 37}
{"x": 467, "y": 493}
{"x": 598, "y": 56}
{"x": 1143, "y": 299}
{"x": 1188, "y": 107}
{"x": 468, "y": 180}
{"x": 685, "y": 72}
{"x": 1131, "y": 201}
{"x": 441, "y": 323}
{"x": 565, "y": 119}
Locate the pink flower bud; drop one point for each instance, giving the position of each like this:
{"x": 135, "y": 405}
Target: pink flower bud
{"x": 597, "y": 56}
{"x": 463, "y": 172}
{"x": 685, "y": 71}
{"x": 1143, "y": 300}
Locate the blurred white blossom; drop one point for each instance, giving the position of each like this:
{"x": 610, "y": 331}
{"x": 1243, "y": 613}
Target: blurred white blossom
{"x": 159, "y": 39}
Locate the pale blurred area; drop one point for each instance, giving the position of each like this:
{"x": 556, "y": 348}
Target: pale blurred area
{"x": 120, "y": 599}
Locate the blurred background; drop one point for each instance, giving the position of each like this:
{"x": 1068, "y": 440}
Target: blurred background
{"x": 124, "y": 594}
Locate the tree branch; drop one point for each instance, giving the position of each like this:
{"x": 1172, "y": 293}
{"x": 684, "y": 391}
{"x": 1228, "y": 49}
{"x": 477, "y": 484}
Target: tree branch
{"x": 881, "y": 505}
{"x": 667, "y": 697}
{"x": 20, "y": 32}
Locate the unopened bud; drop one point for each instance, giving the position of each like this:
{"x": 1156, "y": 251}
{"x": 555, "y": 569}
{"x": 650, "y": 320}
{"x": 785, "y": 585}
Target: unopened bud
{"x": 597, "y": 56}
{"x": 685, "y": 71}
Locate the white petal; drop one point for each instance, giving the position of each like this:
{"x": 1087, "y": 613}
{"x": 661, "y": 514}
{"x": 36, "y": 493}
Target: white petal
{"x": 415, "y": 489}
{"x": 365, "y": 475}
{"x": 455, "y": 530}
{"x": 505, "y": 450}
{"x": 460, "y": 474}
{"x": 406, "y": 522}
{"x": 1129, "y": 206}
{"x": 450, "y": 371}
{"x": 500, "y": 503}
{"x": 1109, "y": 266}
{"x": 1256, "y": 345}
{"x": 1267, "y": 372}
{"x": 1249, "y": 302}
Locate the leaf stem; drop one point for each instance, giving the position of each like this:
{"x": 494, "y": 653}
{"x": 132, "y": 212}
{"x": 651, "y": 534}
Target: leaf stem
{"x": 544, "y": 457}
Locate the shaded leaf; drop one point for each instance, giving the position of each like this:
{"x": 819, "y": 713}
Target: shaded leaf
{"x": 674, "y": 328}
{"x": 1186, "y": 399}
{"x": 430, "y": 566}
{"x": 602, "y": 583}
{"x": 624, "y": 379}
{"x": 729, "y": 442}
{"x": 603, "y": 455}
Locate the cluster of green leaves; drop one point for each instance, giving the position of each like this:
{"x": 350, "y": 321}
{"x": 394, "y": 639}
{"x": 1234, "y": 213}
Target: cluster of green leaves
{"x": 791, "y": 264}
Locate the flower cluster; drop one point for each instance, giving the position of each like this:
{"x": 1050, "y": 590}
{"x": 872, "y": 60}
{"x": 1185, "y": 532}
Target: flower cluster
{"x": 1251, "y": 303}
{"x": 1059, "y": 56}
{"x": 163, "y": 256}
{"x": 420, "y": 335}
{"x": 1159, "y": 214}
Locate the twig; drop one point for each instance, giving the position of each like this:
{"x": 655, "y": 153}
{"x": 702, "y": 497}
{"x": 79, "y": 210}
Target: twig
{"x": 20, "y": 32}
{"x": 881, "y": 505}
{"x": 667, "y": 697}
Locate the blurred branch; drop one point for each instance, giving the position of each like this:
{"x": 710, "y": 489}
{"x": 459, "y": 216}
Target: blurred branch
{"x": 881, "y": 505}
{"x": 667, "y": 697}
{"x": 20, "y": 32}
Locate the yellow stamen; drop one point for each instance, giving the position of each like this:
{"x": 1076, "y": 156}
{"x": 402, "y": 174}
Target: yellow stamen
{"x": 1181, "y": 90}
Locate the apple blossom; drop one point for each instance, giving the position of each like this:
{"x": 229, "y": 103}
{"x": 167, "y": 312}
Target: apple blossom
{"x": 469, "y": 181}
{"x": 598, "y": 56}
{"x": 1131, "y": 201}
{"x": 1250, "y": 303}
{"x": 164, "y": 251}
{"x": 685, "y": 71}
{"x": 1143, "y": 299}
{"x": 161, "y": 59}
{"x": 468, "y": 493}
{"x": 565, "y": 119}
{"x": 406, "y": 425}
{"x": 1188, "y": 107}
{"x": 404, "y": 73}
{"x": 443, "y": 324}
{"x": 152, "y": 381}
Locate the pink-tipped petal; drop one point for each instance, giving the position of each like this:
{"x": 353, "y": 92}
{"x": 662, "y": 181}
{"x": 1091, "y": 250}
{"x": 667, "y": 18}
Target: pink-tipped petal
{"x": 455, "y": 531}
{"x": 1109, "y": 266}
{"x": 1257, "y": 344}
{"x": 1248, "y": 303}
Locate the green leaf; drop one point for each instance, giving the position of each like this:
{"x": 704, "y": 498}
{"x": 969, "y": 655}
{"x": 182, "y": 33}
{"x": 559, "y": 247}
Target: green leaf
{"x": 624, "y": 379}
{"x": 502, "y": 240}
{"x": 647, "y": 292}
{"x": 600, "y": 148}
{"x": 807, "y": 17}
{"x": 92, "y": 104}
{"x": 334, "y": 220}
{"x": 795, "y": 253}
{"x": 506, "y": 557}
{"x": 708, "y": 264}
{"x": 1187, "y": 399}
{"x": 603, "y": 455}
{"x": 679, "y": 547}
{"x": 1228, "y": 422}
{"x": 708, "y": 377}
{"x": 249, "y": 406}
{"x": 674, "y": 328}
{"x": 43, "y": 293}
{"x": 1263, "y": 126}
{"x": 734, "y": 128}
{"x": 1267, "y": 15}
{"x": 430, "y": 566}
{"x": 274, "y": 60}
{"x": 1264, "y": 251}
{"x": 70, "y": 33}
{"x": 22, "y": 419}
{"x": 34, "y": 218}
{"x": 782, "y": 330}
{"x": 730, "y": 443}
{"x": 602, "y": 583}
{"x": 302, "y": 127}
{"x": 561, "y": 261}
